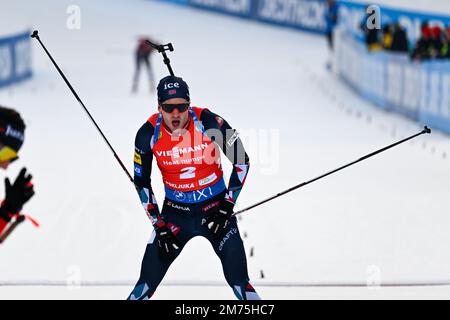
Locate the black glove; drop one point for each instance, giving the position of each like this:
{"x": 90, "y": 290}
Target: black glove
{"x": 218, "y": 221}
{"x": 169, "y": 246}
{"x": 18, "y": 193}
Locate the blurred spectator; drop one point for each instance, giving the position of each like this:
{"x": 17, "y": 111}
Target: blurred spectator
{"x": 388, "y": 37}
{"x": 331, "y": 17}
{"x": 394, "y": 38}
{"x": 399, "y": 39}
{"x": 445, "y": 50}
{"x": 422, "y": 48}
{"x": 436, "y": 42}
{"x": 142, "y": 57}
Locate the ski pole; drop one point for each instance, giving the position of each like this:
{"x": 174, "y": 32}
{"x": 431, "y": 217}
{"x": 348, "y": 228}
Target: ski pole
{"x": 36, "y": 36}
{"x": 425, "y": 130}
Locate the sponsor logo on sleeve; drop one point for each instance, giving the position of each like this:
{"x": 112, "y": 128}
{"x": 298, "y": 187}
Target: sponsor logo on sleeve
{"x": 138, "y": 170}
{"x": 136, "y": 149}
{"x": 137, "y": 158}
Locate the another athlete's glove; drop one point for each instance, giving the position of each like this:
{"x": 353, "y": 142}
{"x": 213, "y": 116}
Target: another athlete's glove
{"x": 5, "y": 218}
{"x": 168, "y": 243}
{"x": 218, "y": 221}
{"x": 4, "y": 215}
{"x": 18, "y": 193}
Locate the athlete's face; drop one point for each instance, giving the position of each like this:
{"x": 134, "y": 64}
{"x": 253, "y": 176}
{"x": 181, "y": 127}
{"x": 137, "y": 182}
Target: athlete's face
{"x": 175, "y": 119}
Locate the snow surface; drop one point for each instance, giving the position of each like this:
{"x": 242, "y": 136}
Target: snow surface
{"x": 385, "y": 219}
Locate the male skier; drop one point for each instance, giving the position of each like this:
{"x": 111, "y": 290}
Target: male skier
{"x": 184, "y": 139}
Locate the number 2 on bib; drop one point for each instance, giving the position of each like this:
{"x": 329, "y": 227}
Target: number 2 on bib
{"x": 188, "y": 173}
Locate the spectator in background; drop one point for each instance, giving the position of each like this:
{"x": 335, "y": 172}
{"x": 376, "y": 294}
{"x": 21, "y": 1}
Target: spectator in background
{"x": 435, "y": 42}
{"x": 399, "y": 39}
{"x": 331, "y": 17}
{"x": 422, "y": 48}
{"x": 388, "y": 37}
{"x": 142, "y": 57}
{"x": 12, "y": 130}
{"x": 445, "y": 50}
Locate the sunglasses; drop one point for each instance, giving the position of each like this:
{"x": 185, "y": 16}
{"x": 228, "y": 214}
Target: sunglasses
{"x": 8, "y": 155}
{"x": 182, "y": 107}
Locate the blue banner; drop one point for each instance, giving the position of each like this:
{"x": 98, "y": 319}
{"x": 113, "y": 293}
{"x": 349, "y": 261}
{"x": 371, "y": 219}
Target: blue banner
{"x": 299, "y": 14}
{"x": 15, "y": 59}
{"x": 240, "y": 8}
{"x": 180, "y": 2}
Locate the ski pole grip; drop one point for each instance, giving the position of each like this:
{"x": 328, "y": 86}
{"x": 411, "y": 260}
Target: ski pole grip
{"x": 35, "y": 34}
{"x": 426, "y": 130}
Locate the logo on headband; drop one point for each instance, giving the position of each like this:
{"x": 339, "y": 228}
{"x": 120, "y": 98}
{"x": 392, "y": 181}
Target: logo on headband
{"x": 10, "y": 132}
{"x": 171, "y": 85}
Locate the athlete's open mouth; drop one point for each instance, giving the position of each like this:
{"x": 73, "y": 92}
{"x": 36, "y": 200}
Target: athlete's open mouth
{"x": 175, "y": 123}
